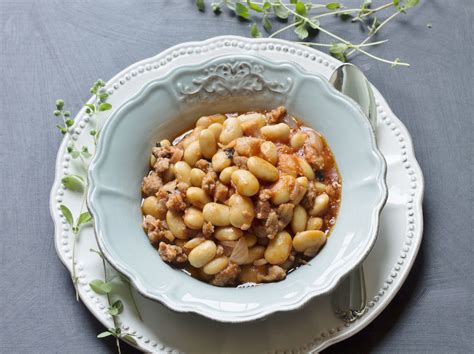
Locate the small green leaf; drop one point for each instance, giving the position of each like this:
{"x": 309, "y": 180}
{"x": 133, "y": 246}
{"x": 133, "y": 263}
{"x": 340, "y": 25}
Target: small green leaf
{"x": 75, "y": 154}
{"x": 57, "y": 113}
{"x": 301, "y": 30}
{"x": 74, "y": 183}
{"x": 293, "y": 1}
{"x": 266, "y": 5}
{"x": 103, "y": 96}
{"x": 104, "y": 334}
{"x": 280, "y": 11}
{"x": 266, "y": 23}
{"x": 333, "y": 6}
{"x": 93, "y": 132}
{"x": 84, "y": 218}
{"x": 300, "y": 9}
{"x": 67, "y": 214}
{"x": 254, "y": 6}
{"x": 59, "y": 104}
{"x": 338, "y": 51}
{"x": 254, "y": 31}
{"x": 69, "y": 122}
{"x": 216, "y": 7}
{"x": 116, "y": 308}
{"x": 241, "y": 10}
{"x": 61, "y": 129}
{"x": 100, "y": 287}
{"x": 104, "y": 107}
{"x": 200, "y": 5}
{"x": 90, "y": 106}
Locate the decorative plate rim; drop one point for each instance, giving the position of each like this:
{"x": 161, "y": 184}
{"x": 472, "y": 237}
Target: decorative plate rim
{"x": 414, "y": 235}
{"x": 310, "y": 291}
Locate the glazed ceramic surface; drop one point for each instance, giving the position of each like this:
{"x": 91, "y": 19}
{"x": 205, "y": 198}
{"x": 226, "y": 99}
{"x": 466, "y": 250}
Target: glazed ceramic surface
{"x": 166, "y": 107}
{"x": 308, "y": 329}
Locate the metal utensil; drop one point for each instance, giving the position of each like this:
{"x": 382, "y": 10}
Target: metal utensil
{"x": 350, "y": 298}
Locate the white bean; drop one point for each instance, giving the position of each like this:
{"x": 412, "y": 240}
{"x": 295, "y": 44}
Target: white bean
{"x": 217, "y": 214}
{"x": 314, "y": 223}
{"x": 226, "y": 174}
{"x": 281, "y": 190}
{"x": 277, "y": 132}
{"x": 216, "y": 265}
{"x": 196, "y": 177}
{"x": 312, "y": 239}
{"x": 245, "y": 182}
{"x": 297, "y": 141}
{"x": 176, "y": 225}
{"x": 306, "y": 169}
{"x": 231, "y": 130}
{"x": 220, "y": 161}
{"x": 241, "y": 211}
{"x": 279, "y": 249}
{"x": 207, "y": 144}
{"x": 193, "y": 218}
{"x": 269, "y": 152}
{"x": 192, "y": 153}
{"x": 202, "y": 254}
{"x": 300, "y": 218}
{"x": 183, "y": 172}
{"x": 264, "y": 170}
{"x": 228, "y": 233}
{"x": 321, "y": 203}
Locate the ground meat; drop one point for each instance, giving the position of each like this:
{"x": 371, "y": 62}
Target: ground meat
{"x": 271, "y": 225}
{"x": 176, "y": 202}
{"x": 171, "y": 253}
{"x": 220, "y": 193}
{"x": 312, "y": 156}
{"x": 207, "y": 229}
{"x": 172, "y": 153}
{"x": 209, "y": 182}
{"x": 151, "y": 184}
{"x": 227, "y": 276}
{"x": 203, "y": 165}
{"x": 289, "y": 164}
{"x": 182, "y": 187}
{"x": 285, "y": 214}
{"x": 275, "y": 273}
{"x": 219, "y": 251}
{"x": 264, "y": 195}
{"x": 262, "y": 209}
{"x": 161, "y": 165}
{"x": 156, "y": 230}
{"x": 240, "y": 162}
{"x": 310, "y": 195}
{"x": 276, "y": 115}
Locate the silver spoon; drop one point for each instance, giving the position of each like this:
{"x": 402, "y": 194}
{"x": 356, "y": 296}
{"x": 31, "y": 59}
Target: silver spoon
{"x": 350, "y": 298}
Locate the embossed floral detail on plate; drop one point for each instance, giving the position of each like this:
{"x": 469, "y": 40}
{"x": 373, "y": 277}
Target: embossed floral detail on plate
{"x": 238, "y": 78}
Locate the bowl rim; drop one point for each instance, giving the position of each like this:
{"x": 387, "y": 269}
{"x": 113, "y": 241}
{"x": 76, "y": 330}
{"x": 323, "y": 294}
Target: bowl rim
{"x": 309, "y": 294}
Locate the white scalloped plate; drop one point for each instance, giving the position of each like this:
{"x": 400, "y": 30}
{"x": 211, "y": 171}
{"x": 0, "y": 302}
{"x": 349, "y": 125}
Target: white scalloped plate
{"x": 309, "y": 329}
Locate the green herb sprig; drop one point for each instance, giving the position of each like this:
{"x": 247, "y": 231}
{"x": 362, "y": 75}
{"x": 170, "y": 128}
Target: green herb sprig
{"x": 77, "y": 183}
{"x": 304, "y": 17}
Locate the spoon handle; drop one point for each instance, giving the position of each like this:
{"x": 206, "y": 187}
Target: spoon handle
{"x": 350, "y": 298}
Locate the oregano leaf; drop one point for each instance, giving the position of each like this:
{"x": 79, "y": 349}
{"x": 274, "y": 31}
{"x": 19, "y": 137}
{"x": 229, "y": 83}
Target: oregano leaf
{"x": 67, "y": 214}
{"x": 241, "y": 10}
{"x": 254, "y": 6}
{"x": 333, "y": 6}
{"x": 74, "y": 183}
{"x": 84, "y": 218}
{"x": 301, "y": 31}
{"x": 104, "y": 334}
{"x": 280, "y": 11}
{"x": 100, "y": 287}
{"x": 267, "y": 24}
{"x": 104, "y": 106}
{"x": 254, "y": 31}
{"x": 300, "y": 9}
{"x": 200, "y": 5}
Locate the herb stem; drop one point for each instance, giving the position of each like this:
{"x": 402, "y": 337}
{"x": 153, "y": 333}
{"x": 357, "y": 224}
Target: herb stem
{"x": 283, "y": 29}
{"x": 387, "y": 20}
{"x": 382, "y": 60}
{"x": 74, "y": 276}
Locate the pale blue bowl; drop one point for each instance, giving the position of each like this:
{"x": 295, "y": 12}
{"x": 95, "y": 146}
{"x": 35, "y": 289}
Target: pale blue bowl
{"x": 167, "y": 106}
